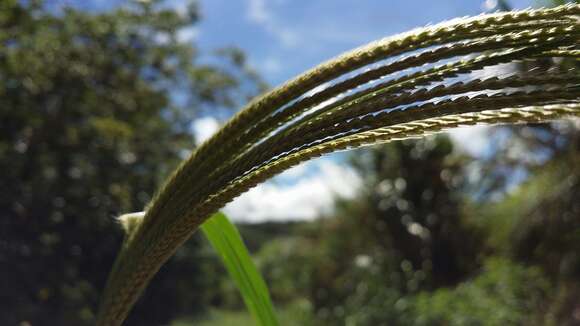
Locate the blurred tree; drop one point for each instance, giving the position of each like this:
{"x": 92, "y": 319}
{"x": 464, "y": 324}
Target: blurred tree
{"x": 404, "y": 233}
{"x": 431, "y": 240}
{"x": 537, "y": 223}
{"x": 92, "y": 117}
{"x": 415, "y": 247}
{"x": 503, "y": 293}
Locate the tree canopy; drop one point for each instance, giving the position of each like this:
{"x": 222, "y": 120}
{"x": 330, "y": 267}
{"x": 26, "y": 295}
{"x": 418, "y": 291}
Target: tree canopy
{"x": 95, "y": 110}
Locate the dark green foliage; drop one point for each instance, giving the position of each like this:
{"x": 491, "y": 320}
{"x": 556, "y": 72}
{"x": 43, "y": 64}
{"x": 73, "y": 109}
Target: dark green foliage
{"x": 403, "y": 234}
{"x": 511, "y": 257}
{"x": 88, "y": 128}
{"x": 413, "y": 208}
{"x": 538, "y": 223}
{"x": 503, "y": 293}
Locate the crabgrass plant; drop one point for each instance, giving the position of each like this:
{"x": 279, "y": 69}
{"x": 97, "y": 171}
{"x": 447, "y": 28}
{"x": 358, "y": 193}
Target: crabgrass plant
{"x": 430, "y": 79}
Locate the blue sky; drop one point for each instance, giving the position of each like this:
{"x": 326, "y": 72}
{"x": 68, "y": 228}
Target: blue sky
{"x": 283, "y": 38}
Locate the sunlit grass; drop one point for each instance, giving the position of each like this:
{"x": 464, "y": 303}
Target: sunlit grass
{"x": 228, "y": 243}
{"x": 413, "y": 84}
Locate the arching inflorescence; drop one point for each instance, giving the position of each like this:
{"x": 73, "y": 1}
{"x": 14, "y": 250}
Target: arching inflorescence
{"x": 461, "y": 72}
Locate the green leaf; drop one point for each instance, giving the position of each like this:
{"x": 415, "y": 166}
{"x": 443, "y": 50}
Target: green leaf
{"x": 226, "y": 240}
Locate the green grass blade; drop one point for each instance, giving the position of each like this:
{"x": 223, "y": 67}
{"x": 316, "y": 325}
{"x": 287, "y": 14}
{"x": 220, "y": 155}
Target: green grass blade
{"x": 228, "y": 243}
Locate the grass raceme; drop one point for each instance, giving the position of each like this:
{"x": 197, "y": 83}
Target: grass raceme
{"x": 461, "y": 72}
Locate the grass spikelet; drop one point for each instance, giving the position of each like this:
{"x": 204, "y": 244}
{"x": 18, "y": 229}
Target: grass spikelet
{"x": 420, "y": 82}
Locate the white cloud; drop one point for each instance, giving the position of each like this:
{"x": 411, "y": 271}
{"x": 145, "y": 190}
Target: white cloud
{"x": 187, "y": 34}
{"x": 308, "y": 190}
{"x": 489, "y": 5}
{"x": 271, "y": 65}
{"x": 472, "y": 139}
{"x": 310, "y": 28}
{"x": 258, "y": 13}
{"x": 300, "y": 193}
{"x": 204, "y": 128}
{"x": 297, "y": 171}
{"x": 313, "y": 193}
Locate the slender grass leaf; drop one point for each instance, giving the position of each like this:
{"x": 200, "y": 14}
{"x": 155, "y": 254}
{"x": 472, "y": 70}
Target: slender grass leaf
{"x": 226, "y": 240}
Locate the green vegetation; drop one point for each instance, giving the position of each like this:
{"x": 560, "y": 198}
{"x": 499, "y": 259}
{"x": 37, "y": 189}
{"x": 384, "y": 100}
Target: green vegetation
{"x": 95, "y": 110}
{"x": 225, "y": 238}
{"x": 88, "y": 130}
{"x": 365, "y": 265}
{"x": 277, "y": 131}
{"x": 503, "y": 293}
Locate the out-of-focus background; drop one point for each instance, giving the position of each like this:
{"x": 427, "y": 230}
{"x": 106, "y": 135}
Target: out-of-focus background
{"x": 99, "y": 100}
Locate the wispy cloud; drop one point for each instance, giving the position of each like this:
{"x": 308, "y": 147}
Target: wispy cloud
{"x": 187, "y": 34}
{"x": 473, "y": 140}
{"x": 313, "y": 194}
{"x": 204, "y": 128}
{"x": 271, "y": 65}
{"x": 301, "y": 193}
{"x": 258, "y": 13}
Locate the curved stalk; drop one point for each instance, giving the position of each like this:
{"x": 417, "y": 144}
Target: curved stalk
{"x": 353, "y": 101}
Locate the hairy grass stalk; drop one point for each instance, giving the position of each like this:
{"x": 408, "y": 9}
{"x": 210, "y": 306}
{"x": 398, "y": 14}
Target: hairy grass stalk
{"x": 416, "y": 83}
